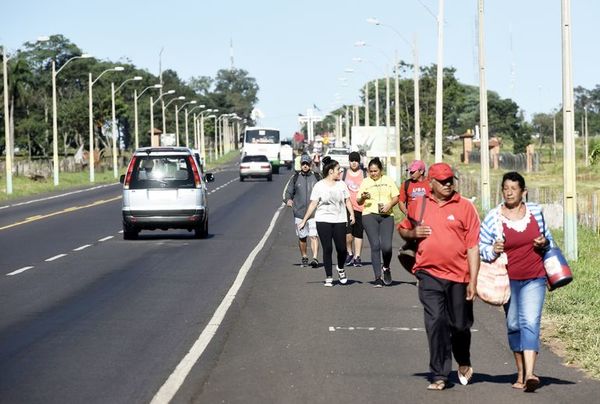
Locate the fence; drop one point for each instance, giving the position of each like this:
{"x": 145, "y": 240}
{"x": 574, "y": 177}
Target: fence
{"x": 42, "y": 168}
{"x": 509, "y": 161}
{"x": 588, "y": 209}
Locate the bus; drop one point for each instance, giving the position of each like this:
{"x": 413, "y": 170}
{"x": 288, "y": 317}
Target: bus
{"x": 265, "y": 142}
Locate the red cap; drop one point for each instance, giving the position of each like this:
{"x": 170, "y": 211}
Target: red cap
{"x": 416, "y": 165}
{"x": 440, "y": 171}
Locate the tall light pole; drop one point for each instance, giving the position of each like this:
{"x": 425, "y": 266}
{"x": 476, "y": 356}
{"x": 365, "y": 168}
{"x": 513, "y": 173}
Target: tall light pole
{"x": 164, "y": 108}
{"x": 569, "y": 170}
{"x": 152, "y": 102}
{"x": 135, "y": 109}
{"x": 483, "y": 116}
{"x": 91, "y": 83}
{"x": 113, "y": 91}
{"x": 439, "y": 92}
{"x": 202, "y": 142}
{"x": 7, "y": 139}
{"x": 194, "y": 124}
{"x": 54, "y": 114}
{"x": 177, "y": 109}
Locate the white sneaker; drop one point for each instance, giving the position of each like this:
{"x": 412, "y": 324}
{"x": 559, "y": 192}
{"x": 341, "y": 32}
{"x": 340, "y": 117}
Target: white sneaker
{"x": 328, "y": 282}
{"x": 342, "y": 275}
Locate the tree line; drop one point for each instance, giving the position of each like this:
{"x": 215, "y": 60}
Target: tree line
{"x": 461, "y": 111}
{"x": 30, "y": 98}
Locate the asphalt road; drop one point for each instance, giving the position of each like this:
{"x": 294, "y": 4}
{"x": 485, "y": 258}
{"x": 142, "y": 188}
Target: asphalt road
{"x": 111, "y": 320}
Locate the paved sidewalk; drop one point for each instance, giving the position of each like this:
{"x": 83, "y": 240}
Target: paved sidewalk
{"x": 292, "y": 340}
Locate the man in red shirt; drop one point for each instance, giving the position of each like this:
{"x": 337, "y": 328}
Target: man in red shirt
{"x": 447, "y": 262}
{"x": 414, "y": 187}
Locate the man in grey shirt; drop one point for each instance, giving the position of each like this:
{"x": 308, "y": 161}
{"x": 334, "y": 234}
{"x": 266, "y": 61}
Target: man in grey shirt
{"x": 297, "y": 196}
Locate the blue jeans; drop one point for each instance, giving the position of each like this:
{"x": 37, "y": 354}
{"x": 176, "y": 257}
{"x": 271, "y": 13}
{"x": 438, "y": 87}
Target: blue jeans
{"x": 524, "y": 314}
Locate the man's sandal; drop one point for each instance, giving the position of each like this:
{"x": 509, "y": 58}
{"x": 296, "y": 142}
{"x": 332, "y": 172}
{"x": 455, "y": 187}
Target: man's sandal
{"x": 438, "y": 385}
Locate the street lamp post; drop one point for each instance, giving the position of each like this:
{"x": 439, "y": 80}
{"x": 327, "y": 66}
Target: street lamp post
{"x": 152, "y": 102}
{"x": 54, "y": 114}
{"x": 194, "y": 125}
{"x": 439, "y": 92}
{"x": 483, "y": 117}
{"x": 135, "y": 109}
{"x": 181, "y": 97}
{"x": 114, "y": 121}
{"x": 7, "y": 139}
{"x": 91, "y": 82}
{"x": 177, "y": 109}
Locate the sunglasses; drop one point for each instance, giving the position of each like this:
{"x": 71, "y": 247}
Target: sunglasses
{"x": 305, "y": 163}
{"x": 447, "y": 181}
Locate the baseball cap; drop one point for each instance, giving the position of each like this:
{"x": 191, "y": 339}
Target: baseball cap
{"x": 305, "y": 159}
{"x": 416, "y": 165}
{"x": 354, "y": 156}
{"x": 440, "y": 171}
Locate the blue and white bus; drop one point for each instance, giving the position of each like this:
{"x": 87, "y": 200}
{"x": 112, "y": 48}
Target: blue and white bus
{"x": 265, "y": 142}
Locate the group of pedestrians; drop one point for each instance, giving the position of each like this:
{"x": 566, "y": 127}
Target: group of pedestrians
{"x": 450, "y": 242}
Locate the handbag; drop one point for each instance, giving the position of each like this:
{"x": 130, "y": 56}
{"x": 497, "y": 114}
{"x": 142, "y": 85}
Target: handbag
{"x": 558, "y": 272}
{"x": 493, "y": 284}
{"x": 407, "y": 254}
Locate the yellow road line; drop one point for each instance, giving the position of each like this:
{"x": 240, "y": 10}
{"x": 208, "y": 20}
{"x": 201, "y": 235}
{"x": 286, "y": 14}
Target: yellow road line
{"x": 66, "y": 210}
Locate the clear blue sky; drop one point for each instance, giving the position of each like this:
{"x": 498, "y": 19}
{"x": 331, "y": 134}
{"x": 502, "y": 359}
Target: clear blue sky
{"x": 297, "y": 50}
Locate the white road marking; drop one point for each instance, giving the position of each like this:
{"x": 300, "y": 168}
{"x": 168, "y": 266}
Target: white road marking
{"x": 18, "y": 271}
{"x": 105, "y": 238}
{"x": 83, "y": 247}
{"x": 55, "y": 257}
{"x": 168, "y": 390}
{"x": 394, "y": 329}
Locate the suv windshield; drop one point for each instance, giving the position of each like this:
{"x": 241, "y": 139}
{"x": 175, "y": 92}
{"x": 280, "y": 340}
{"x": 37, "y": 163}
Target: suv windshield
{"x": 258, "y": 159}
{"x": 172, "y": 171}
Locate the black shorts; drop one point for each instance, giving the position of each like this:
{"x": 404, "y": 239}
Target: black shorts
{"x": 355, "y": 229}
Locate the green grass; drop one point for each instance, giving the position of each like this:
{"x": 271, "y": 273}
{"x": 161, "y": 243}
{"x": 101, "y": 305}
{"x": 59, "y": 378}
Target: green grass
{"x": 24, "y": 186}
{"x": 570, "y": 321}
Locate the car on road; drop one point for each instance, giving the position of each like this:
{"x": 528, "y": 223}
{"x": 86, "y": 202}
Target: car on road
{"x": 164, "y": 189}
{"x": 339, "y": 154}
{"x": 255, "y": 166}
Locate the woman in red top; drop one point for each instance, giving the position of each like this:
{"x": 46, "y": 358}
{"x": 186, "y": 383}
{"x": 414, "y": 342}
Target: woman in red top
{"x": 524, "y": 242}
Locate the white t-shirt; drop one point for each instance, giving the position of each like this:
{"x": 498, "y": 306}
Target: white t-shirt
{"x": 331, "y": 201}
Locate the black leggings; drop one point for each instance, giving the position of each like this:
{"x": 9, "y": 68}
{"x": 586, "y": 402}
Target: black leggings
{"x": 379, "y": 229}
{"x": 337, "y": 232}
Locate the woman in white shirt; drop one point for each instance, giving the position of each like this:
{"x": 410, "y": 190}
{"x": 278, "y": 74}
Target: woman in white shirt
{"x": 331, "y": 200}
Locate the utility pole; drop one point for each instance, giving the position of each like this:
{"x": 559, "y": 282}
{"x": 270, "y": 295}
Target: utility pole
{"x": 439, "y": 93}
{"x": 483, "y": 116}
{"x": 569, "y": 170}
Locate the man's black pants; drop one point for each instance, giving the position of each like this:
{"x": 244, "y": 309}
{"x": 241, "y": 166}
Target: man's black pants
{"x": 448, "y": 321}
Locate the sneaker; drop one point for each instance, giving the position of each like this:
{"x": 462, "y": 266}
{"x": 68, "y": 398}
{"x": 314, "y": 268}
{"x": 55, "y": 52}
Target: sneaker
{"x": 342, "y": 275}
{"x": 357, "y": 262}
{"x": 328, "y": 282}
{"x": 349, "y": 260}
{"x": 314, "y": 263}
{"x": 387, "y": 276}
{"x": 304, "y": 262}
{"x": 378, "y": 283}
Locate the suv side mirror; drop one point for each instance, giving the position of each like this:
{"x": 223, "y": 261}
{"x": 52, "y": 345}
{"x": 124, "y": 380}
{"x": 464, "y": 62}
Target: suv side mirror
{"x": 209, "y": 177}
{"x": 122, "y": 179}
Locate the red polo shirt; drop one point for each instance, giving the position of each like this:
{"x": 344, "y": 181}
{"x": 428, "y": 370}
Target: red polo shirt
{"x": 454, "y": 229}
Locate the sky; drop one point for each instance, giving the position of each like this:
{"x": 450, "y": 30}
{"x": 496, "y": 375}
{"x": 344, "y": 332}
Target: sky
{"x": 298, "y": 50}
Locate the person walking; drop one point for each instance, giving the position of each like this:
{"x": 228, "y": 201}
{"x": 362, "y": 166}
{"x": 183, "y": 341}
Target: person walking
{"x": 329, "y": 201}
{"x": 447, "y": 262}
{"x": 296, "y": 195}
{"x": 414, "y": 187}
{"x": 378, "y": 194}
{"x": 524, "y": 239}
{"x": 353, "y": 177}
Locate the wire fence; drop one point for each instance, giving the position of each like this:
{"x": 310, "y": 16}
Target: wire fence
{"x": 588, "y": 208}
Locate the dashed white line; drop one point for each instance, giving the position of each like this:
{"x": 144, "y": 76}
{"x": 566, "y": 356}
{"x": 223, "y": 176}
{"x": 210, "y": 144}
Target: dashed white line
{"x": 83, "y": 247}
{"x": 105, "y": 238}
{"x": 55, "y": 257}
{"x": 18, "y": 271}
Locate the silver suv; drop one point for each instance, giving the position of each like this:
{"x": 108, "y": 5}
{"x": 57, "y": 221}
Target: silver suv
{"x": 164, "y": 189}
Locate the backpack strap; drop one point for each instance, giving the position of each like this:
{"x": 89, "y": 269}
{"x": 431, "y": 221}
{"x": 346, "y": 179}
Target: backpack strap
{"x": 421, "y": 212}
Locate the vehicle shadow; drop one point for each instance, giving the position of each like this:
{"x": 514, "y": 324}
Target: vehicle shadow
{"x": 167, "y": 236}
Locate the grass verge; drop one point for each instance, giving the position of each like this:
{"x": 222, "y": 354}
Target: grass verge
{"x": 570, "y": 323}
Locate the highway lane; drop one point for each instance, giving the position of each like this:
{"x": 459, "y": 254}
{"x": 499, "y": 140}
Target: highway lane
{"x": 109, "y": 323}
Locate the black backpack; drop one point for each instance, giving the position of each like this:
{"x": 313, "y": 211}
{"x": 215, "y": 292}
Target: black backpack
{"x": 295, "y": 178}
